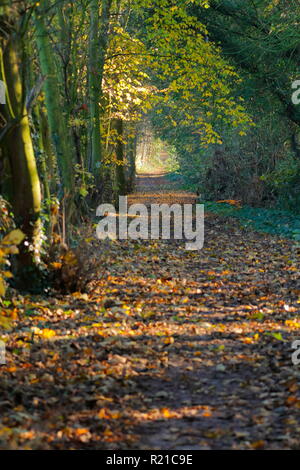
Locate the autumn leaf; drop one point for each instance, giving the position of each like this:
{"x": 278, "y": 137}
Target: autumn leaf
{"x": 258, "y": 445}
{"x": 15, "y": 237}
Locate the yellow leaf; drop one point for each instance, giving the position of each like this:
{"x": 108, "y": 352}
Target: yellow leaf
{"x": 56, "y": 265}
{"x": 70, "y": 258}
{"x": 247, "y": 340}
{"x": 115, "y": 415}
{"x": 15, "y": 237}
{"x": 5, "y": 322}
{"x": 258, "y": 444}
{"x": 293, "y": 323}
{"x": 7, "y": 274}
{"x": 108, "y": 432}
{"x": 81, "y": 431}
{"x": 46, "y": 333}
{"x": 103, "y": 414}
{"x": 2, "y": 287}
{"x": 167, "y": 413}
{"x": 169, "y": 340}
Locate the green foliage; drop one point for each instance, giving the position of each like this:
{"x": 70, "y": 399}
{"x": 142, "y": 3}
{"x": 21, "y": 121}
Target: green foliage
{"x": 284, "y": 181}
{"x": 194, "y": 79}
{"x": 261, "y": 166}
{"x": 213, "y": 77}
{"x": 273, "y": 221}
{"x": 159, "y": 156}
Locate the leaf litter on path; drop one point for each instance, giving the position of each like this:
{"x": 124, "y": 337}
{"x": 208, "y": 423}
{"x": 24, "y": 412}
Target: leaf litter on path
{"x": 166, "y": 349}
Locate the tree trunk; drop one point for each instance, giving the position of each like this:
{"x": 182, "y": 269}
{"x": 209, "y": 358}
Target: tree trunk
{"x": 57, "y": 120}
{"x": 47, "y": 148}
{"x": 120, "y": 162}
{"x": 94, "y": 89}
{"x": 131, "y": 164}
{"x": 97, "y": 52}
{"x": 19, "y": 149}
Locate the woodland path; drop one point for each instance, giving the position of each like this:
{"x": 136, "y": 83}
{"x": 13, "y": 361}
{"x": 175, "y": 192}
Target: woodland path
{"x": 167, "y": 349}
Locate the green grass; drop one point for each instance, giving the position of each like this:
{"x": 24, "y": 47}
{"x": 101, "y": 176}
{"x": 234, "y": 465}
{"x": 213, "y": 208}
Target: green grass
{"x": 273, "y": 221}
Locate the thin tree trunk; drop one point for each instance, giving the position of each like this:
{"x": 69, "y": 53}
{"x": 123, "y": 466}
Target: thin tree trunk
{"x": 120, "y": 163}
{"x": 56, "y": 118}
{"x": 131, "y": 164}
{"x": 97, "y": 52}
{"x": 94, "y": 88}
{"x": 47, "y": 148}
